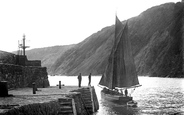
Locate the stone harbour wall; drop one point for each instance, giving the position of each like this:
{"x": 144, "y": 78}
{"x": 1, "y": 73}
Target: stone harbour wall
{"x": 73, "y": 103}
{"x": 87, "y": 100}
{"x": 95, "y": 99}
{"x": 47, "y": 108}
{"x": 23, "y": 76}
{"x": 79, "y": 103}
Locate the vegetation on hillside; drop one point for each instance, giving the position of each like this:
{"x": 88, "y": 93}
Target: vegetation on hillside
{"x": 156, "y": 38}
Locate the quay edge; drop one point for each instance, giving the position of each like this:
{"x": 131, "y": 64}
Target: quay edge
{"x": 76, "y": 102}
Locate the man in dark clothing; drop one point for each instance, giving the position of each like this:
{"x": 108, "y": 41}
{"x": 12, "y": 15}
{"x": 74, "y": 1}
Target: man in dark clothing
{"x": 126, "y": 92}
{"x": 79, "y": 79}
{"x": 89, "y": 77}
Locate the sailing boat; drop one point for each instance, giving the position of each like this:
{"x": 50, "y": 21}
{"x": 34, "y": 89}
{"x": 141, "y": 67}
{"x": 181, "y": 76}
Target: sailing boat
{"x": 120, "y": 73}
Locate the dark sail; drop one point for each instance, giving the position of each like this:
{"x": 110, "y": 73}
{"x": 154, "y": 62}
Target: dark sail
{"x": 120, "y": 71}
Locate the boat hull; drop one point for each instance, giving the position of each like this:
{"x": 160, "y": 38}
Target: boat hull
{"x": 116, "y": 98}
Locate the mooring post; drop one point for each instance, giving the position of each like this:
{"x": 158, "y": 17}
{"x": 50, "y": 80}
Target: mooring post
{"x": 59, "y": 84}
{"x": 43, "y": 83}
{"x": 3, "y": 88}
{"x": 34, "y": 88}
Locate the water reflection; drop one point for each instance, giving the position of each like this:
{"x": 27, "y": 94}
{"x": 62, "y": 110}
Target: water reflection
{"x": 156, "y": 96}
{"x": 109, "y": 108}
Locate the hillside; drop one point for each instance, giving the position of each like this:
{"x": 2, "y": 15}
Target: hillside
{"x": 7, "y": 57}
{"x": 162, "y": 55}
{"x": 156, "y": 38}
{"x": 47, "y": 55}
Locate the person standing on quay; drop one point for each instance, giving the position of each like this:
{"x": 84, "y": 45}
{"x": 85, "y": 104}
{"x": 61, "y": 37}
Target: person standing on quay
{"x": 79, "y": 79}
{"x": 126, "y": 92}
{"x": 89, "y": 77}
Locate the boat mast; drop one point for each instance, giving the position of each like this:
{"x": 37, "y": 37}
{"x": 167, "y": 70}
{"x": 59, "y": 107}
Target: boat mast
{"x": 120, "y": 71}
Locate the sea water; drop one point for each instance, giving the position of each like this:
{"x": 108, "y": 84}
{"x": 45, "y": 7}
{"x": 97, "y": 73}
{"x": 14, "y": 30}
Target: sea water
{"x": 155, "y": 96}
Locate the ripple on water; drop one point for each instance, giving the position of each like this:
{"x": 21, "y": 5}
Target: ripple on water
{"x": 156, "y": 96}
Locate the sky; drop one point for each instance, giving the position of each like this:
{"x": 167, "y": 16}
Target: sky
{"x": 61, "y": 22}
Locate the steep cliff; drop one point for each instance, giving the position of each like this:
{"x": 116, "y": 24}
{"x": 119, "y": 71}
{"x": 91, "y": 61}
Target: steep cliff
{"x": 157, "y": 43}
{"x": 87, "y": 56}
{"x": 162, "y": 56}
{"x": 156, "y": 38}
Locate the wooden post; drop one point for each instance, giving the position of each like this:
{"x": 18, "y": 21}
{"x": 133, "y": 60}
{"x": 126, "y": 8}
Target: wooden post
{"x": 59, "y": 84}
{"x": 34, "y": 88}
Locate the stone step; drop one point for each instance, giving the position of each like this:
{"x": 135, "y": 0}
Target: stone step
{"x": 87, "y": 88}
{"x": 90, "y": 110}
{"x": 65, "y": 112}
{"x": 84, "y": 90}
{"x": 89, "y": 107}
{"x": 86, "y": 98}
{"x": 88, "y": 104}
{"x": 66, "y": 108}
{"x": 65, "y": 103}
{"x": 87, "y": 101}
{"x": 64, "y": 99}
{"x": 86, "y": 94}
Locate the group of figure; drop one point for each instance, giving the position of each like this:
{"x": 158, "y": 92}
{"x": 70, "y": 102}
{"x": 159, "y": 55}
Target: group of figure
{"x": 116, "y": 91}
{"x": 125, "y": 92}
{"x": 80, "y": 79}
